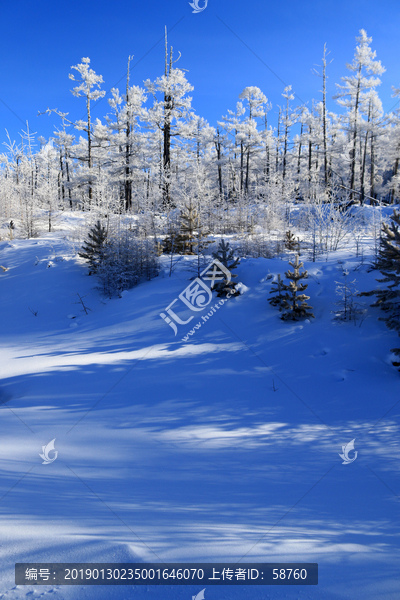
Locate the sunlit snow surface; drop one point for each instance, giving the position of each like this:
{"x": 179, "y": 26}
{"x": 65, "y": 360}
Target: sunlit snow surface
{"x": 213, "y": 449}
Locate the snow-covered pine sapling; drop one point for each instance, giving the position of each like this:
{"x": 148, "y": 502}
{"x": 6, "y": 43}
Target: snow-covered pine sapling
{"x": 189, "y": 223}
{"x": 290, "y": 241}
{"x": 294, "y": 303}
{"x": 277, "y": 299}
{"x": 93, "y": 248}
{"x": 225, "y": 256}
{"x": 348, "y": 308}
{"x": 170, "y": 247}
{"x": 171, "y": 243}
{"x": 190, "y": 238}
{"x": 11, "y": 228}
{"x": 200, "y": 245}
{"x": 127, "y": 260}
{"x": 388, "y": 262}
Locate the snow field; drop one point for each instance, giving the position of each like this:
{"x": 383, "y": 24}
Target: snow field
{"x": 207, "y": 450}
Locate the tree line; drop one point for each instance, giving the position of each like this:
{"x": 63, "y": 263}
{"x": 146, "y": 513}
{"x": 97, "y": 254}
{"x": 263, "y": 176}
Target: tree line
{"x": 152, "y": 153}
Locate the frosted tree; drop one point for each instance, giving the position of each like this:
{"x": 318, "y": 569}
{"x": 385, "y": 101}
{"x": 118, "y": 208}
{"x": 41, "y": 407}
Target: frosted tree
{"x": 63, "y": 142}
{"x": 255, "y": 105}
{"x": 88, "y": 81}
{"x": 220, "y": 159}
{"x": 393, "y": 150}
{"x": 27, "y": 188}
{"x": 172, "y": 115}
{"x": 324, "y": 111}
{"x": 47, "y": 185}
{"x": 128, "y": 145}
{"x": 232, "y": 124}
{"x": 372, "y": 108}
{"x": 289, "y": 118}
{"x": 365, "y": 71}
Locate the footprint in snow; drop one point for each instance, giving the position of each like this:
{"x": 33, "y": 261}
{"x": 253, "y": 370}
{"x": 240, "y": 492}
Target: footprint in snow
{"x": 342, "y": 375}
{"x": 322, "y": 352}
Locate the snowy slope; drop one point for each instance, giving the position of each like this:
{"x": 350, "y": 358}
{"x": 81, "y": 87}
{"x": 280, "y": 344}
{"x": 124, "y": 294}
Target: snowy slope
{"x": 222, "y": 447}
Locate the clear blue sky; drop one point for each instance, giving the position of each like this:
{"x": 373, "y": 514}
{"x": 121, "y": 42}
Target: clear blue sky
{"x": 40, "y": 41}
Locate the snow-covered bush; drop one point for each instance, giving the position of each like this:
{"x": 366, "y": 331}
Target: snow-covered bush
{"x": 126, "y": 261}
{"x": 348, "y": 308}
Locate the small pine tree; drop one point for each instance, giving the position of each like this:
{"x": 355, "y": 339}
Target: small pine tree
{"x": 11, "y": 228}
{"x": 294, "y": 304}
{"x": 190, "y": 239}
{"x": 388, "y": 262}
{"x": 290, "y": 241}
{"x": 190, "y": 222}
{"x": 170, "y": 244}
{"x": 277, "y": 299}
{"x": 93, "y": 248}
{"x": 348, "y": 309}
{"x": 127, "y": 260}
{"x": 225, "y": 256}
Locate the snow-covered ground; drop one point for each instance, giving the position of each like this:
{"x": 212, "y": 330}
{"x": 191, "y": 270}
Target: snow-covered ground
{"x": 221, "y": 448}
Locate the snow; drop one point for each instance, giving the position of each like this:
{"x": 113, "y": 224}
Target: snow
{"x": 223, "y": 446}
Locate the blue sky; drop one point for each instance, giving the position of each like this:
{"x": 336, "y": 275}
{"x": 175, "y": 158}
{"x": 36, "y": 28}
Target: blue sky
{"x": 41, "y": 40}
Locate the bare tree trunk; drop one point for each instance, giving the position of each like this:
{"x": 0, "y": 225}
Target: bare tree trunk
{"x": 353, "y": 150}
{"x": 395, "y": 171}
{"x": 90, "y": 192}
{"x": 167, "y": 128}
{"x": 278, "y": 140}
{"x": 372, "y": 173}
{"x": 299, "y": 152}
{"x": 61, "y": 179}
{"x": 128, "y": 182}
{"x": 286, "y": 138}
{"x": 247, "y": 167}
{"x": 68, "y": 179}
{"x": 218, "y": 149}
{"x": 267, "y": 158}
{"x": 241, "y": 166}
{"x": 324, "y": 115}
{"x": 364, "y": 160}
